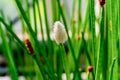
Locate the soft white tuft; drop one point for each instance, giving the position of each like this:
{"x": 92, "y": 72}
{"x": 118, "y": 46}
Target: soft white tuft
{"x": 60, "y": 35}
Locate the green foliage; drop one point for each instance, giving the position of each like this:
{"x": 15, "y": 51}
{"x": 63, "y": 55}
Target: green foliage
{"x": 83, "y": 47}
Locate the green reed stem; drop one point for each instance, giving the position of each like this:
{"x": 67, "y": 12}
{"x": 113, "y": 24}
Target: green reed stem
{"x": 65, "y": 23}
{"x": 59, "y": 57}
{"x": 72, "y": 18}
{"x": 87, "y": 54}
{"x": 19, "y": 5}
{"x": 43, "y": 69}
{"x": 40, "y": 19}
{"x": 59, "y": 65}
{"x": 50, "y": 45}
{"x": 69, "y": 41}
{"x": 41, "y": 27}
{"x": 32, "y": 35}
{"x": 12, "y": 33}
{"x": 84, "y": 24}
{"x": 114, "y": 38}
{"x": 73, "y": 10}
{"x": 46, "y": 20}
{"x": 54, "y": 10}
{"x": 28, "y": 8}
{"x": 92, "y": 17}
{"x": 109, "y": 34}
{"x": 58, "y": 12}
{"x": 23, "y": 46}
{"x": 37, "y": 72}
{"x": 86, "y": 18}
{"x": 64, "y": 60}
{"x": 119, "y": 29}
{"x": 88, "y": 74}
{"x": 79, "y": 15}
{"x": 49, "y": 67}
{"x": 8, "y": 54}
{"x": 111, "y": 70}
{"x": 101, "y": 55}
{"x": 34, "y": 13}
{"x": 31, "y": 31}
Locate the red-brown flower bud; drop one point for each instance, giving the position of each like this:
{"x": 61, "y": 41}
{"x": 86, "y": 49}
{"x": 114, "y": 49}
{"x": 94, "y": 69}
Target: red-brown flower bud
{"x": 90, "y": 68}
{"x": 29, "y": 46}
{"x": 102, "y": 2}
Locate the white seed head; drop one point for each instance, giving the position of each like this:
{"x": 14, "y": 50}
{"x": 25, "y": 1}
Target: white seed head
{"x": 60, "y": 35}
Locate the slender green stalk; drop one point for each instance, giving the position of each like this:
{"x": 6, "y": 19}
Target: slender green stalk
{"x": 119, "y": 30}
{"x": 34, "y": 13}
{"x": 12, "y": 33}
{"x": 19, "y": 5}
{"x": 31, "y": 32}
{"x": 88, "y": 74}
{"x": 43, "y": 69}
{"x": 79, "y": 15}
{"x": 76, "y": 72}
{"x": 59, "y": 57}
{"x": 99, "y": 51}
{"x": 109, "y": 34}
{"x": 40, "y": 19}
{"x": 114, "y": 38}
{"x": 50, "y": 45}
{"x": 72, "y": 19}
{"x": 69, "y": 41}
{"x": 49, "y": 68}
{"x": 54, "y": 10}
{"x": 111, "y": 70}
{"x": 87, "y": 54}
{"x": 46, "y": 20}
{"x": 101, "y": 55}
{"x": 28, "y": 8}
{"x": 92, "y": 14}
{"x": 73, "y": 10}
{"x": 37, "y": 71}
{"x": 8, "y": 54}
{"x": 64, "y": 60}
{"x": 34, "y": 39}
{"x": 84, "y": 24}
{"x": 20, "y": 56}
{"x": 59, "y": 65}
{"x": 58, "y": 12}
{"x": 85, "y": 20}
{"x": 41, "y": 27}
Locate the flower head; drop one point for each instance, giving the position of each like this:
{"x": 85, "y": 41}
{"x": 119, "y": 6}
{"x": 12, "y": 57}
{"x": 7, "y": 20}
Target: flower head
{"x": 102, "y": 2}
{"x": 90, "y": 68}
{"x": 29, "y": 46}
{"x": 60, "y": 35}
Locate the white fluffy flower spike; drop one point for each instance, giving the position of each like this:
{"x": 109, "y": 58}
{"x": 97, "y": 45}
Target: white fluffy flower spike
{"x": 60, "y": 35}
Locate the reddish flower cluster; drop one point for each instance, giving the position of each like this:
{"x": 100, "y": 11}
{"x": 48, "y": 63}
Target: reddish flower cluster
{"x": 29, "y": 46}
{"x": 90, "y": 68}
{"x": 102, "y": 2}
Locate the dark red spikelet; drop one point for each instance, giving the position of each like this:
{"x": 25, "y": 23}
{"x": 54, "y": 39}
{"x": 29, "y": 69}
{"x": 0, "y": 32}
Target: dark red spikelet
{"x": 102, "y": 2}
{"x": 29, "y": 46}
{"x": 90, "y": 68}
